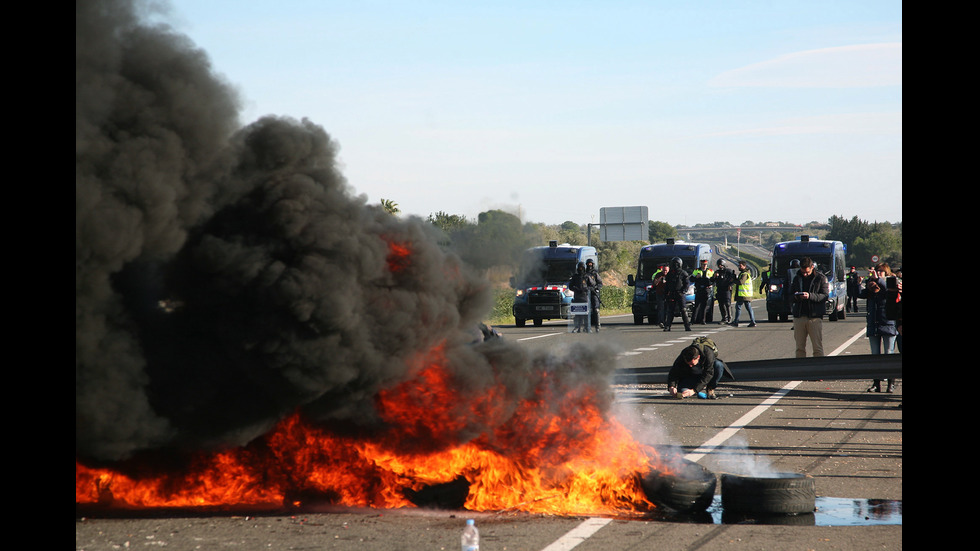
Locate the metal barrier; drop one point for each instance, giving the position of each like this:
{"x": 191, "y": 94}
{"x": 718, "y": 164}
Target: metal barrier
{"x": 865, "y": 366}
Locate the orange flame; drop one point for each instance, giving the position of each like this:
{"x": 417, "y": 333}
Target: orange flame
{"x": 399, "y": 256}
{"x": 552, "y": 454}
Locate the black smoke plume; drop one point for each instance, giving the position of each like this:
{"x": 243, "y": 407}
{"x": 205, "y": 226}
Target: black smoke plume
{"x": 228, "y": 276}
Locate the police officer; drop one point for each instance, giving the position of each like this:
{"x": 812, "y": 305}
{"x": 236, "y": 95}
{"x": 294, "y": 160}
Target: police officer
{"x": 853, "y": 288}
{"x": 579, "y": 285}
{"x": 595, "y": 286}
{"x": 703, "y": 296}
{"x": 724, "y": 279}
{"x": 675, "y": 294}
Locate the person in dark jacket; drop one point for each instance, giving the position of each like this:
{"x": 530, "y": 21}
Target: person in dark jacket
{"x": 809, "y": 290}
{"x": 704, "y": 300}
{"x": 724, "y": 279}
{"x": 881, "y": 331}
{"x": 579, "y": 285}
{"x": 675, "y": 294}
{"x": 693, "y": 372}
{"x": 853, "y": 289}
{"x": 595, "y": 286}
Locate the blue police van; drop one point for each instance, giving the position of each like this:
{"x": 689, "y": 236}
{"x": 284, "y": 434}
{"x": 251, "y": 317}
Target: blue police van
{"x": 828, "y": 257}
{"x": 541, "y": 284}
{"x": 650, "y": 259}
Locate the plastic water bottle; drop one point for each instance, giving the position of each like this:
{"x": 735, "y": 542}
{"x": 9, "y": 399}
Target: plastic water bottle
{"x": 471, "y": 537}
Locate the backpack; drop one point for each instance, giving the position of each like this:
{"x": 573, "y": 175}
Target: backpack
{"x": 702, "y": 342}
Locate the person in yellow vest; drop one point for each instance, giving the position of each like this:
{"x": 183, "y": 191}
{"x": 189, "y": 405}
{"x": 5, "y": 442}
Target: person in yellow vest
{"x": 704, "y": 299}
{"x": 743, "y": 294}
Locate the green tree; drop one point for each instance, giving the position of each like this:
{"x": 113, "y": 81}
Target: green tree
{"x": 390, "y": 206}
{"x": 448, "y": 223}
{"x": 661, "y": 231}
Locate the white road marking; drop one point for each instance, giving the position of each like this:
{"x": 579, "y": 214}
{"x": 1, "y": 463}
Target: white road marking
{"x": 578, "y": 534}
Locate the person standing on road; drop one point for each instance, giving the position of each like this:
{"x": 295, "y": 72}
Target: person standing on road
{"x": 580, "y": 287}
{"x": 675, "y": 294}
{"x": 853, "y": 289}
{"x": 881, "y": 331}
{"x": 595, "y": 286}
{"x": 660, "y": 291}
{"x": 723, "y": 280}
{"x": 743, "y": 294}
{"x": 810, "y": 290}
{"x": 703, "y": 303}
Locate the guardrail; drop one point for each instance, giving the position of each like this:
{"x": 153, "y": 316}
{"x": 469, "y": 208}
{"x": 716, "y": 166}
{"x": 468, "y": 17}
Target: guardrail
{"x": 864, "y": 366}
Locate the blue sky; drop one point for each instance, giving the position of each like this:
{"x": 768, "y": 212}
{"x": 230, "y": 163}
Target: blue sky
{"x": 702, "y": 111}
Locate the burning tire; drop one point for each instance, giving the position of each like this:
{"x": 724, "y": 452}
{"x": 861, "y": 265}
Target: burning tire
{"x": 786, "y": 493}
{"x": 688, "y": 488}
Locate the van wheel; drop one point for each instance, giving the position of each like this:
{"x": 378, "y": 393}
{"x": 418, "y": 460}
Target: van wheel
{"x": 538, "y": 322}
{"x": 637, "y": 320}
{"x": 519, "y": 322}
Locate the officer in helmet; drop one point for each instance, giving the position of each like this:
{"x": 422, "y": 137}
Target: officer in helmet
{"x": 724, "y": 280}
{"x": 675, "y": 294}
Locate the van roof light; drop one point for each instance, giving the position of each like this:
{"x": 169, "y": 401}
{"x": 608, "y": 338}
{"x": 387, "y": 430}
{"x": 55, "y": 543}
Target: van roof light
{"x": 804, "y": 238}
{"x": 670, "y": 240}
{"x": 552, "y": 243}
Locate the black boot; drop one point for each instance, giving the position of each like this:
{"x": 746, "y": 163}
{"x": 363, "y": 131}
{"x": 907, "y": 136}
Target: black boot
{"x": 875, "y": 386}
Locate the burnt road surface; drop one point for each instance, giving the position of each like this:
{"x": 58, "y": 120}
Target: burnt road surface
{"x": 849, "y": 440}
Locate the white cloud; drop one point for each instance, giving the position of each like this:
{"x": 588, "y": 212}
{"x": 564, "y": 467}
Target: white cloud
{"x": 863, "y": 65}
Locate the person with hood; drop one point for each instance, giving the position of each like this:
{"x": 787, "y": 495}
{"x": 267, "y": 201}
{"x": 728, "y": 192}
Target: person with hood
{"x": 675, "y": 294}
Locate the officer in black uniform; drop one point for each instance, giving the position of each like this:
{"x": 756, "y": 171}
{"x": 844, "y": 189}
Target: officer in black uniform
{"x": 724, "y": 280}
{"x": 595, "y": 286}
{"x": 675, "y": 294}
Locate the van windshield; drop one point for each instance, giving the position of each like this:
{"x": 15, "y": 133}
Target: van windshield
{"x": 536, "y": 270}
{"x": 780, "y": 264}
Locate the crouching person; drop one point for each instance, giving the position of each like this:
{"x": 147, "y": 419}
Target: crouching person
{"x": 694, "y": 372}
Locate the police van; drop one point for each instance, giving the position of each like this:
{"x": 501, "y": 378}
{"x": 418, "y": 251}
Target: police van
{"x": 828, "y": 257}
{"x": 541, "y": 283}
{"x": 651, "y": 258}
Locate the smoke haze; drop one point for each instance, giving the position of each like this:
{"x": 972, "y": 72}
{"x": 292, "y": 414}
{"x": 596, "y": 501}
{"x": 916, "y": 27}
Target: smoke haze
{"x": 227, "y": 275}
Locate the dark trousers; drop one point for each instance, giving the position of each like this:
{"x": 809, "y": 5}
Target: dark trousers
{"x": 674, "y": 304}
{"x": 702, "y": 308}
{"x": 725, "y": 307}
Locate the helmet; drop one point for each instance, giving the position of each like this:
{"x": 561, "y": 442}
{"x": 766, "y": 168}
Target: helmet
{"x": 721, "y": 262}
{"x": 675, "y": 262}
{"x": 795, "y": 263}
{"x": 580, "y": 268}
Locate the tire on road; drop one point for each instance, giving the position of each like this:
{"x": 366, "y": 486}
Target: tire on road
{"x": 688, "y": 488}
{"x": 785, "y": 493}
